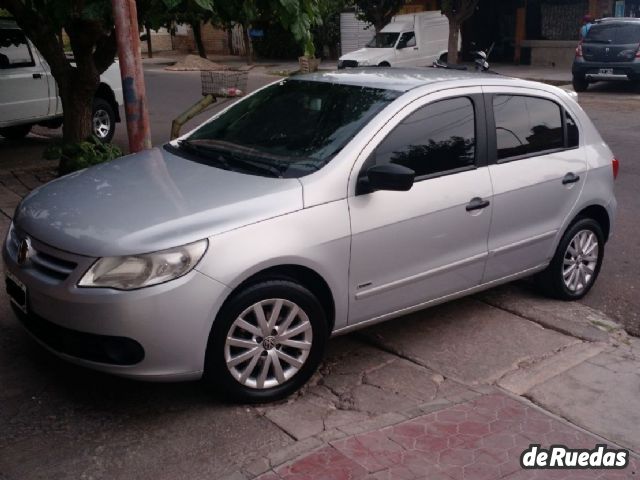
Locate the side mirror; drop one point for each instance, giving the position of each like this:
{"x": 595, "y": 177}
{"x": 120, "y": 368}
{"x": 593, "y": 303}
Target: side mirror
{"x": 390, "y": 176}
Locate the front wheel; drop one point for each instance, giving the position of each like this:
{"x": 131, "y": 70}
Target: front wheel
{"x": 580, "y": 84}
{"x": 576, "y": 263}
{"x": 16, "y": 132}
{"x": 266, "y": 342}
{"x": 103, "y": 120}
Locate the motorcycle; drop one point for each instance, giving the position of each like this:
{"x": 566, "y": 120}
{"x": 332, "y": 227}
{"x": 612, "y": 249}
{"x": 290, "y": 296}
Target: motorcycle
{"x": 480, "y": 61}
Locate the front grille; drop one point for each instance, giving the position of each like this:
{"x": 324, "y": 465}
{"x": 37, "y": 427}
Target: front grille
{"x": 43, "y": 259}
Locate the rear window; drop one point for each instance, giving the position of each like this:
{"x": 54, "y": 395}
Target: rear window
{"x": 614, "y": 33}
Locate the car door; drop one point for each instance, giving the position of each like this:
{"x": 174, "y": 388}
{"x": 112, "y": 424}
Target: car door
{"x": 537, "y": 169}
{"x": 24, "y": 90}
{"x": 406, "y": 51}
{"x": 412, "y": 247}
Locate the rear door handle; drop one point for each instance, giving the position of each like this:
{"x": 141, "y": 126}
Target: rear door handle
{"x": 570, "y": 178}
{"x": 37, "y": 75}
{"x": 477, "y": 203}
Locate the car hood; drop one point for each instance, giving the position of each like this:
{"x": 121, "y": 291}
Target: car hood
{"x": 372, "y": 55}
{"x": 149, "y": 201}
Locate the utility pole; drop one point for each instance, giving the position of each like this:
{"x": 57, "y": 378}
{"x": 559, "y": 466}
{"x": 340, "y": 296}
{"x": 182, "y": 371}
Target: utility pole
{"x": 135, "y": 100}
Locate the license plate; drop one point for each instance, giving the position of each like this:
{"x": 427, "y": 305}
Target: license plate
{"x": 17, "y": 291}
{"x": 606, "y": 71}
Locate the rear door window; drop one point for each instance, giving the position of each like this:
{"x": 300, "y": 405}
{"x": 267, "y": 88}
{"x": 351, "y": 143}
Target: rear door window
{"x": 14, "y": 50}
{"x": 526, "y": 125}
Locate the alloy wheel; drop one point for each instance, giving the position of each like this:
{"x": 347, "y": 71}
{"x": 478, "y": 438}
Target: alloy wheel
{"x": 580, "y": 261}
{"x": 268, "y": 343}
{"x": 101, "y": 123}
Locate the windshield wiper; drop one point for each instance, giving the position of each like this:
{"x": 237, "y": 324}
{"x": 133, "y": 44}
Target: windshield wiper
{"x": 209, "y": 153}
{"x": 246, "y": 156}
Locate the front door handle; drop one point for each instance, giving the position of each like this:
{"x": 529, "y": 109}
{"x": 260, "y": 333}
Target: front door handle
{"x": 477, "y": 203}
{"x": 570, "y": 178}
{"x": 37, "y": 75}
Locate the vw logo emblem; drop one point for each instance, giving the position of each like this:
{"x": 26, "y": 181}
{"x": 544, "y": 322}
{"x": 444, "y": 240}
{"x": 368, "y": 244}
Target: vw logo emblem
{"x": 269, "y": 343}
{"x": 606, "y": 50}
{"x": 24, "y": 249}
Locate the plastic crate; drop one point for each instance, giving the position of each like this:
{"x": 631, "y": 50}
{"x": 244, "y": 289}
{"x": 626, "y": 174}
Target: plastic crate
{"x": 224, "y": 83}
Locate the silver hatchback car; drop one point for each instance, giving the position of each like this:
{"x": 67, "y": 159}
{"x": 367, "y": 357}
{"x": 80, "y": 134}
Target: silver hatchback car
{"x": 317, "y": 205}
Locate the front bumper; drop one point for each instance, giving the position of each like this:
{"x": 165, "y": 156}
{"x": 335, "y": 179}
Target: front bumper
{"x": 99, "y": 328}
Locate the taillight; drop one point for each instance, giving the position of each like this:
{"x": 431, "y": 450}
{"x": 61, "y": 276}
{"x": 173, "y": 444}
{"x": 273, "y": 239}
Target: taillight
{"x": 579, "y": 50}
{"x": 638, "y": 52}
{"x": 616, "y": 167}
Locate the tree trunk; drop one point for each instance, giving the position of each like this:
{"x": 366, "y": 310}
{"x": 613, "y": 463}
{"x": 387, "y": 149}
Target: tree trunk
{"x": 197, "y": 35}
{"x": 454, "y": 33}
{"x": 149, "y": 47}
{"x": 77, "y": 104}
{"x": 248, "y": 47}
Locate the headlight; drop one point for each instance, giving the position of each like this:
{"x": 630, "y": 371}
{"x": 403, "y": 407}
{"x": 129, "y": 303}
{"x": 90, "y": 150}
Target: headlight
{"x": 138, "y": 271}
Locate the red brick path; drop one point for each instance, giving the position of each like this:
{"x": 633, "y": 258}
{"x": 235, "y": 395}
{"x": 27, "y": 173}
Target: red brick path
{"x": 481, "y": 439}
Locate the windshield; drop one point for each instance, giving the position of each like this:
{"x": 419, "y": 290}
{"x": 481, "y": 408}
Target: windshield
{"x": 614, "y": 33}
{"x": 384, "y": 40}
{"x": 289, "y": 129}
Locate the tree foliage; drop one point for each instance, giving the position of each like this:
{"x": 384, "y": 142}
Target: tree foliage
{"x": 377, "y": 12}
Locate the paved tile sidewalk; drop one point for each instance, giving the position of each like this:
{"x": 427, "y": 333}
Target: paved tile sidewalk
{"x": 477, "y": 440}
{"x": 15, "y": 184}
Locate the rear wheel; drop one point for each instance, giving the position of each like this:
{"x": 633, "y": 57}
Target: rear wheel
{"x": 266, "y": 342}
{"x": 580, "y": 83}
{"x": 16, "y": 132}
{"x": 384, "y": 64}
{"x": 576, "y": 263}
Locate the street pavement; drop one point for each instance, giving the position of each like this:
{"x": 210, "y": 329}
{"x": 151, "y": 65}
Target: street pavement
{"x": 455, "y": 391}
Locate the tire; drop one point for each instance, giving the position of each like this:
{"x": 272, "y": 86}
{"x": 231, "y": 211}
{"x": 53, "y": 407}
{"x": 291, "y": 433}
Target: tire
{"x": 242, "y": 381}
{"x": 552, "y": 279}
{"x": 103, "y": 120}
{"x": 16, "y": 132}
{"x": 580, "y": 84}
{"x": 384, "y": 64}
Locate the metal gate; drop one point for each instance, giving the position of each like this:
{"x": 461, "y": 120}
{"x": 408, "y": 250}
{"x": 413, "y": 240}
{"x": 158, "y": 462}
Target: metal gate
{"x": 353, "y": 33}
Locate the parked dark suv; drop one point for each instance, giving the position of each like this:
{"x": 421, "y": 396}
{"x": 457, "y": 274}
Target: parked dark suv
{"x": 610, "y": 51}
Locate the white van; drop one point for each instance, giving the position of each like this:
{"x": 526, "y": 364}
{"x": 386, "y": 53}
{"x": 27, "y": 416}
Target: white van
{"x": 412, "y": 40}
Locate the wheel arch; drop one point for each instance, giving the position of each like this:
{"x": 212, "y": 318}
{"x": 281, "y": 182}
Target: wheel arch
{"x": 305, "y": 276}
{"x": 599, "y": 214}
{"x": 104, "y": 91}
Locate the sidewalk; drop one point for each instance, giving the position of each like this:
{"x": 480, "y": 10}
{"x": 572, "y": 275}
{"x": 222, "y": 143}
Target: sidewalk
{"x": 476, "y": 440}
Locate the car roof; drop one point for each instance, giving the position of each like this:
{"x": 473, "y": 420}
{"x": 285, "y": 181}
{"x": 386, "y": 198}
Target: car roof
{"x": 617, "y": 20}
{"x": 398, "y": 79}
